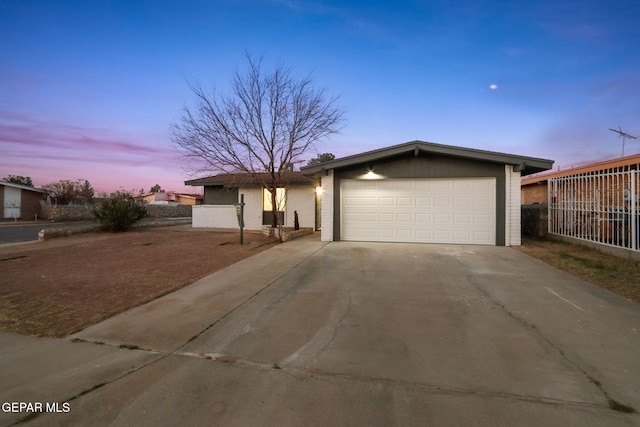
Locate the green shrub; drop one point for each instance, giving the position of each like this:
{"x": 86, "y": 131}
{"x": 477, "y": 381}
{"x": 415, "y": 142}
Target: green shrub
{"x": 119, "y": 212}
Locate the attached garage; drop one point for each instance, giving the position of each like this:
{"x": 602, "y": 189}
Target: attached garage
{"x": 424, "y": 193}
{"x": 419, "y": 210}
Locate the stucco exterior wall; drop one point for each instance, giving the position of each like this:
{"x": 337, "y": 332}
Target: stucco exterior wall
{"x": 214, "y": 216}
{"x": 301, "y": 199}
{"x": 252, "y": 207}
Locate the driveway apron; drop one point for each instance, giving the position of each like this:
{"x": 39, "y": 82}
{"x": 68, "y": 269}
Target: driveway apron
{"x": 346, "y": 333}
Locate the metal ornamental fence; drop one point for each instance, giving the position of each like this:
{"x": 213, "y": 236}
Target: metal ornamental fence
{"x": 598, "y": 207}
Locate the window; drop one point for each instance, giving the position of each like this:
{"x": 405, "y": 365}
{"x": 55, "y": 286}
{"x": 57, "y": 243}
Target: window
{"x": 280, "y": 199}
{"x": 267, "y": 206}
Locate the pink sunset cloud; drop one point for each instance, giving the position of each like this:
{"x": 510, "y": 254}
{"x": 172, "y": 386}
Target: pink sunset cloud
{"x": 110, "y": 160}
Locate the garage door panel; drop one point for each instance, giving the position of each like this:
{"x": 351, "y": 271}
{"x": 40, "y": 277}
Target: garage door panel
{"x": 422, "y": 210}
{"x": 442, "y": 202}
{"x": 368, "y": 201}
{"x": 405, "y": 218}
{"x": 442, "y": 218}
{"x": 405, "y": 201}
{"x": 463, "y": 202}
{"x": 462, "y": 219}
{"x": 386, "y": 201}
{"x": 387, "y": 217}
{"x": 424, "y": 202}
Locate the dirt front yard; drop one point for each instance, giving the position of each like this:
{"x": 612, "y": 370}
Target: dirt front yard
{"x": 63, "y": 285}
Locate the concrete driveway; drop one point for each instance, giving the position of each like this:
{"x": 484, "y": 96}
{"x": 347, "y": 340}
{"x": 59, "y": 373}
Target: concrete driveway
{"x": 309, "y": 333}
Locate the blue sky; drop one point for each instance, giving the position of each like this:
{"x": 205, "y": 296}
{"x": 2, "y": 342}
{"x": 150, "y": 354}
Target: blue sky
{"x": 89, "y": 89}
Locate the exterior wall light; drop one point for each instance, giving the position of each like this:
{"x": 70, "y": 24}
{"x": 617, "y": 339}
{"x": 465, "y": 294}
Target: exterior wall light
{"x": 318, "y": 191}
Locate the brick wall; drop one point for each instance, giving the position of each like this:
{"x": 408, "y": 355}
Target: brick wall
{"x": 534, "y": 193}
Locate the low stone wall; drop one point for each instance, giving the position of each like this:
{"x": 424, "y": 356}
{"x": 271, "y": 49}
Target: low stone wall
{"x": 287, "y": 233}
{"x": 534, "y": 220}
{"x": 169, "y": 211}
{"x": 70, "y": 213}
{"x": 65, "y": 213}
{"x": 65, "y": 230}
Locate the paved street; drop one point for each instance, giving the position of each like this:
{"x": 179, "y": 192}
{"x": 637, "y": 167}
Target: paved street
{"x": 11, "y": 233}
{"x": 309, "y": 333}
{"x": 25, "y": 232}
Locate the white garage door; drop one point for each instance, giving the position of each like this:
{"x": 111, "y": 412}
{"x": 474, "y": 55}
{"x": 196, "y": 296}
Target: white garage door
{"x": 421, "y": 210}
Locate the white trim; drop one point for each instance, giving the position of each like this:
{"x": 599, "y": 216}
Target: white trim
{"x": 326, "y": 234}
{"x": 512, "y": 203}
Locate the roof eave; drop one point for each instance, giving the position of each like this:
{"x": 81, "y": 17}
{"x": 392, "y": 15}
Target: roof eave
{"x": 527, "y": 165}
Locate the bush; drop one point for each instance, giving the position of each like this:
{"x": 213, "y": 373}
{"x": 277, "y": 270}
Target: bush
{"x": 119, "y": 212}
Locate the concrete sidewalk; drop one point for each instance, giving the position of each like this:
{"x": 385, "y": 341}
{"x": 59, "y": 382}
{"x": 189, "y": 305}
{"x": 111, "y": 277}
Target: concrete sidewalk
{"x": 45, "y": 370}
{"x": 309, "y": 333}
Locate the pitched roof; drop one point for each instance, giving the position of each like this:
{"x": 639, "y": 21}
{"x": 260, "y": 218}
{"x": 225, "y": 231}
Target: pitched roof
{"x": 527, "y": 165}
{"x": 612, "y": 165}
{"x": 245, "y": 179}
{"x": 22, "y": 187}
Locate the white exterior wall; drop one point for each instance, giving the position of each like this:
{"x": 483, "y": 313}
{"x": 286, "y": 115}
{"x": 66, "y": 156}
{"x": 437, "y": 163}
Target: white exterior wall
{"x": 224, "y": 216}
{"x": 326, "y": 234}
{"x": 301, "y": 199}
{"x": 513, "y": 221}
{"x": 252, "y": 207}
{"x": 214, "y": 216}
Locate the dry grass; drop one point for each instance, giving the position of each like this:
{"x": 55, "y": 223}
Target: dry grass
{"x": 64, "y": 285}
{"x": 618, "y": 275}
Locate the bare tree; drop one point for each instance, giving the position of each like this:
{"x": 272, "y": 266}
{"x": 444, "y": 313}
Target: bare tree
{"x": 68, "y": 192}
{"x": 270, "y": 120}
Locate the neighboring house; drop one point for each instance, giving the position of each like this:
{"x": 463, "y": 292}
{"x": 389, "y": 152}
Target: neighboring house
{"x": 535, "y": 188}
{"x": 20, "y": 201}
{"x": 170, "y": 198}
{"x": 221, "y": 192}
{"x": 598, "y": 202}
{"x": 424, "y": 192}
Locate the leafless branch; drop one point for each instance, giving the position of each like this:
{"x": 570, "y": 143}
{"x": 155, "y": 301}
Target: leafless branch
{"x": 269, "y": 120}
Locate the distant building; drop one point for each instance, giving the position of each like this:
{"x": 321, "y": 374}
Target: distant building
{"x": 597, "y": 203}
{"x": 170, "y": 198}
{"x": 20, "y": 201}
{"x": 535, "y": 188}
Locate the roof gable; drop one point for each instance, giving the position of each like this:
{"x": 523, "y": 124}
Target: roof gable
{"x": 527, "y": 165}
